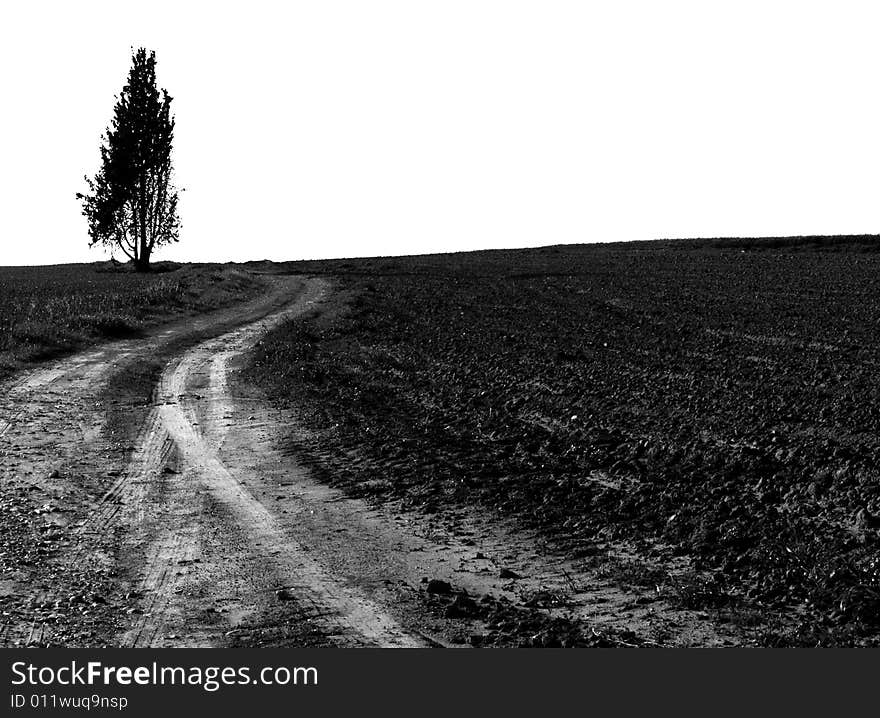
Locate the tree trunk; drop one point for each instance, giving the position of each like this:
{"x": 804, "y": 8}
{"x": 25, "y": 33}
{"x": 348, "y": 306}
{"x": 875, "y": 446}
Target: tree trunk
{"x": 142, "y": 263}
{"x": 144, "y": 254}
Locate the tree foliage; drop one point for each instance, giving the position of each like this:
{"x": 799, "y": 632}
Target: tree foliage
{"x": 132, "y": 202}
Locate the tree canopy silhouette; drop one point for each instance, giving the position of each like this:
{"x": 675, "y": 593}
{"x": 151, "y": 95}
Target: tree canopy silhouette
{"x": 132, "y": 202}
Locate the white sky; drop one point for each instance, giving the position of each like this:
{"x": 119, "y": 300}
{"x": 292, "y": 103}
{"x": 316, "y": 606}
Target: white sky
{"x": 363, "y": 127}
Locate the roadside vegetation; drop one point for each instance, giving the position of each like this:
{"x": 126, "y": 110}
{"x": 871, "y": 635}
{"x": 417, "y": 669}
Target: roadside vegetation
{"x": 46, "y": 312}
{"x": 717, "y": 405}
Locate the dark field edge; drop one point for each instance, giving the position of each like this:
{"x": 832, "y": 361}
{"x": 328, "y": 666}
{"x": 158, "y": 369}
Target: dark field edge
{"x": 486, "y": 262}
{"x": 733, "y": 414}
{"x": 51, "y": 312}
{"x": 807, "y": 243}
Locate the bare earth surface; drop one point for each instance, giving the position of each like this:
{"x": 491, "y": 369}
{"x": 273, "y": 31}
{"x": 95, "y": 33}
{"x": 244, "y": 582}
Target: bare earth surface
{"x": 177, "y": 520}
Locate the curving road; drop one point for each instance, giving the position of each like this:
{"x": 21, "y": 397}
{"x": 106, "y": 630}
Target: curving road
{"x": 172, "y": 515}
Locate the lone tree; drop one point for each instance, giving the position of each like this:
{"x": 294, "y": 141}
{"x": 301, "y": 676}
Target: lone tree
{"x": 132, "y": 203}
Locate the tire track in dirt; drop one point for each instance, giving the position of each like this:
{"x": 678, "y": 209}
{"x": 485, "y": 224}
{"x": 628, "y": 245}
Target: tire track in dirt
{"x": 323, "y": 599}
{"x": 154, "y": 449}
{"x": 66, "y": 492}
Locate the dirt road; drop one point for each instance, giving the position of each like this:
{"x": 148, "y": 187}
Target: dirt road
{"x": 178, "y": 521}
